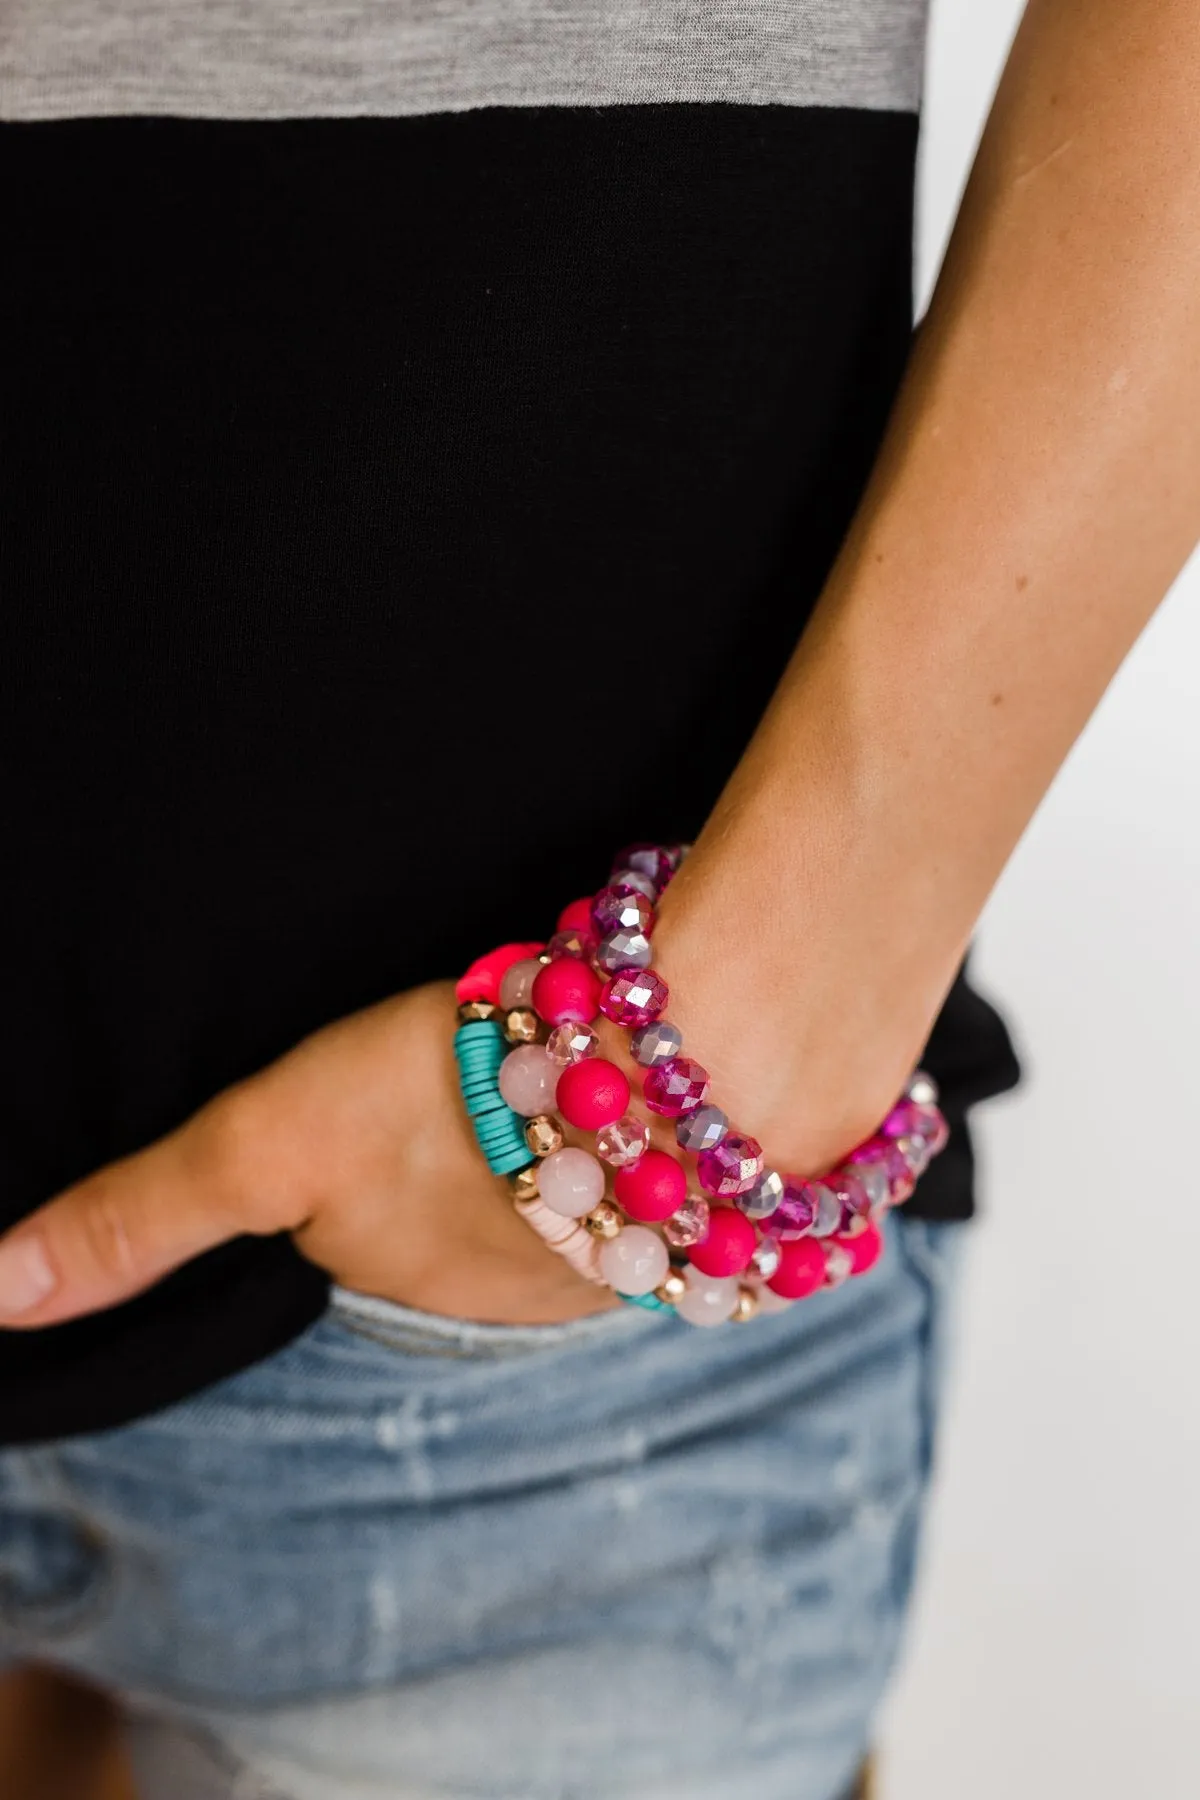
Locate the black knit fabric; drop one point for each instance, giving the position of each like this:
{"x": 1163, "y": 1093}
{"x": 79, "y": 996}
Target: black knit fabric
{"x": 330, "y": 450}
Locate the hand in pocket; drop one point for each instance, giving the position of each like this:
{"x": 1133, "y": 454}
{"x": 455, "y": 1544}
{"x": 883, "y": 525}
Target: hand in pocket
{"x": 356, "y": 1142}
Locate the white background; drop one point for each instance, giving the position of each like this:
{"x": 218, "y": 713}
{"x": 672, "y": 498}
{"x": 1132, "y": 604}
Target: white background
{"x": 1056, "y": 1648}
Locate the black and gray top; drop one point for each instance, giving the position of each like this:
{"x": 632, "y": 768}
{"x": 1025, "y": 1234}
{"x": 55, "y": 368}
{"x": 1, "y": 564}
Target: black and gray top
{"x": 373, "y": 375}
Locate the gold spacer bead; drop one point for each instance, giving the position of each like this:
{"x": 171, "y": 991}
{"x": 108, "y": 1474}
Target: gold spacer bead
{"x": 521, "y": 1026}
{"x": 475, "y": 1009}
{"x": 672, "y": 1289}
{"x": 524, "y": 1183}
{"x": 543, "y": 1135}
{"x": 604, "y": 1221}
{"x": 746, "y": 1306}
{"x": 545, "y": 957}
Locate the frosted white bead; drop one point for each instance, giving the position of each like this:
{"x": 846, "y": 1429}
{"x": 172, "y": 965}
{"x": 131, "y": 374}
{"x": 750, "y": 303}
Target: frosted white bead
{"x": 635, "y": 1261}
{"x": 516, "y": 983}
{"x": 570, "y": 1182}
{"x": 528, "y": 1079}
{"x": 708, "y": 1299}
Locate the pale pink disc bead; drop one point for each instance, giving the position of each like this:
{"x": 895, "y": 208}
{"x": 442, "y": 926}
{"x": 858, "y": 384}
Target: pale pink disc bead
{"x": 570, "y": 1182}
{"x": 707, "y": 1299}
{"x": 528, "y": 1080}
{"x": 571, "y": 1241}
{"x": 516, "y": 984}
{"x": 635, "y": 1261}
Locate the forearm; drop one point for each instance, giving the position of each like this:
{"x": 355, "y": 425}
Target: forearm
{"x": 1037, "y": 491}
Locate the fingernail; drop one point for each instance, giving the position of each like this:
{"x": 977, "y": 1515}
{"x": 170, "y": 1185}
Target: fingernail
{"x": 26, "y": 1276}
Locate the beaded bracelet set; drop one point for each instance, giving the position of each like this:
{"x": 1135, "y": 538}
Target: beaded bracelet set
{"x": 753, "y": 1239}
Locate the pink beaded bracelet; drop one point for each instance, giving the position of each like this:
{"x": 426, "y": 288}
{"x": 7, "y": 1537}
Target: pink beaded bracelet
{"x": 755, "y": 1238}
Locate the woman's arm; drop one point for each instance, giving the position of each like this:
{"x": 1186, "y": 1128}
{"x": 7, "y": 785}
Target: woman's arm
{"x": 1037, "y": 491}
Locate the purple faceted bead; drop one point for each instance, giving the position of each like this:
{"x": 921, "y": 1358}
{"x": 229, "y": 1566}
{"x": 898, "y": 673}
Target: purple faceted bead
{"x": 902, "y": 1121}
{"x": 622, "y": 950}
{"x": 731, "y": 1167}
{"x": 851, "y": 1192}
{"x": 656, "y": 1043}
{"x": 633, "y": 883}
{"x": 702, "y": 1129}
{"x": 675, "y": 1087}
{"x": 621, "y": 909}
{"x": 654, "y": 861}
{"x": 797, "y": 1210}
{"x": 760, "y": 1201}
{"x": 633, "y": 997}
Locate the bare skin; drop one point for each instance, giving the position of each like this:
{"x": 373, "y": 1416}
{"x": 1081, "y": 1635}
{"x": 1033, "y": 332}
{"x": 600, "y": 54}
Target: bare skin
{"x": 1037, "y": 492}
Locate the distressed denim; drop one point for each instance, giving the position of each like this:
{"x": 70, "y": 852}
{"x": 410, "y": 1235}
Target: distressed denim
{"x": 410, "y": 1558}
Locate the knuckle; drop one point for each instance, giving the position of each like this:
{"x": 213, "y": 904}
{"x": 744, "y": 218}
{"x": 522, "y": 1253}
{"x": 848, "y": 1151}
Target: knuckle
{"x": 109, "y": 1243}
{"x": 237, "y": 1148}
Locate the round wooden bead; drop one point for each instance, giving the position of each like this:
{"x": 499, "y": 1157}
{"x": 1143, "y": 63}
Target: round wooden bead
{"x": 566, "y": 989}
{"x": 727, "y": 1246}
{"x": 593, "y": 1093}
{"x": 652, "y": 1188}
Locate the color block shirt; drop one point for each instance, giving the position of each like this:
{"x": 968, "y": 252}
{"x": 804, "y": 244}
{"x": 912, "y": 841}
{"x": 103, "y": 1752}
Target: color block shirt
{"x": 427, "y": 426}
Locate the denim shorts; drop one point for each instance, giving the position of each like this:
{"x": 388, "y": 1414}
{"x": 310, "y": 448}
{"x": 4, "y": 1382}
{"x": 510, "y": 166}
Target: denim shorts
{"x": 409, "y": 1558}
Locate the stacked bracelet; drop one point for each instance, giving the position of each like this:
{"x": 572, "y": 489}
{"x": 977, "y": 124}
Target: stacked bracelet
{"x": 754, "y": 1238}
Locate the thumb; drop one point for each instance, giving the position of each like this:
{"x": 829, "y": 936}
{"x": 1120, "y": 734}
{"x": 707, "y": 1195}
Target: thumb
{"x": 124, "y": 1228}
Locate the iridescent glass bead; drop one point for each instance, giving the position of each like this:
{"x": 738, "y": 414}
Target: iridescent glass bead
{"x": 622, "y": 950}
{"x": 633, "y": 997}
{"x": 765, "y": 1260}
{"x": 621, "y": 1143}
{"x": 571, "y": 1042}
{"x": 828, "y": 1211}
{"x": 621, "y": 908}
{"x": 675, "y": 1087}
{"x": 730, "y": 1167}
{"x": 702, "y": 1129}
{"x": 797, "y": 1210}
{"x": 760, "y": 1201}
{"x": 656, "y": 1043}
{"x": 839, "y": 1265}
{"x": 687, "y": 1226}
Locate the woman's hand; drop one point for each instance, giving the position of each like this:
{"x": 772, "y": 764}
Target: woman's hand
{"x": 356, "y": 1142}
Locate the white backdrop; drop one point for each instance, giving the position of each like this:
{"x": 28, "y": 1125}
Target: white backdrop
{"x": 1056, "y": 1649}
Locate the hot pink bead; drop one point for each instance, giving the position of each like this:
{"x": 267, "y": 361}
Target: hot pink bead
{"x": 688, "y": 1225}
{"x": 675, "y": 1087}
{"x": 621, "y": 908}
{"x": 652, "y": 1188}
{"x": 801, "y": 1269}
{"x": 577, "y": 916}
{"x": 633, "y": 997}
{"x": 482, "y": 979}
{"x": 730, "y": 1167}
{"x": 864, "y": 1249}
{"x": 566, "y": 989}
{"x": 727, "y": 1246}
{"x": 591, "y": 1094}
{"x": 622, "y": 1142}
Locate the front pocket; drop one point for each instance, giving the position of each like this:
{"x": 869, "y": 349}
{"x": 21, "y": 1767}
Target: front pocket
{"x": 406, "y": 1329}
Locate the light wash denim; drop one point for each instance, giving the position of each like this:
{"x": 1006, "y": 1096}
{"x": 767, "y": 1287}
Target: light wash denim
{"x": 413, "y": 1559}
